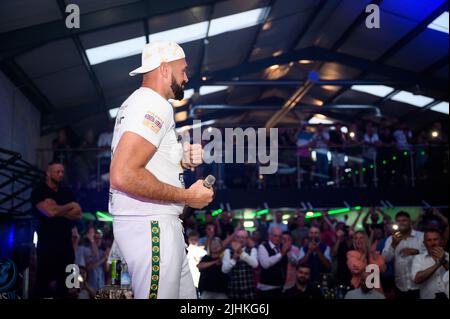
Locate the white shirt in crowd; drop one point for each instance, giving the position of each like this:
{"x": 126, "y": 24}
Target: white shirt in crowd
{"x": 445, "y": 280}
{"x": 194, "y": 255}
{"x": 403, "y": 264}
{"x": 371, "y": 139}
{"x": 436, "y": 282}
{"x": 321, "y": 140}
{"x": 402, "y": 139}
{"x": 150, "y": 116}
{"x": 228, "y": 262}
{"x": 370, "y": 152}
{"x": 359, "y": 294}
{"x": 105, "y": 140}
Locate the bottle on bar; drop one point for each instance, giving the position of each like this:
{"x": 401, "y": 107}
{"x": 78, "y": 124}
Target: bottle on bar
{"x": 125, "y": 280}
{"x": 113, "y": 272}
{"x": 118, "y": 272}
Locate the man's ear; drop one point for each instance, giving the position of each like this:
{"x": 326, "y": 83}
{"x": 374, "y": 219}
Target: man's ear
{"x": 164, "y": 69}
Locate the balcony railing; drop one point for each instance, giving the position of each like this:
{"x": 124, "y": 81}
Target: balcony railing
{"x": 360, "y": 166}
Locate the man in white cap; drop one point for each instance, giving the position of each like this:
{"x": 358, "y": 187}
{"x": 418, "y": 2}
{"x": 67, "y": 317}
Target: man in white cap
{"x": 147, "y": 191}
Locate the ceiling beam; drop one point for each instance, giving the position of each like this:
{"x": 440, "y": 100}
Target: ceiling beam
{"x": 274, "y": 83}
{"x": 411, "y": 35}
{"x": 326, "y": 55}
{"x": 303, "y": 107}
{"x": 18, "y": 41}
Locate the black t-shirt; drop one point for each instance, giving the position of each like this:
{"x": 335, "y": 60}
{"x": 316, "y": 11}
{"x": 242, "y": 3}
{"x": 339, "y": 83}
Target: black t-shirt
{"x": 337, "y": 140}
{"x": 343, "y": 276}
{"x": 310, "y": 292}
{"x": 212, "y": 278}
{"x": 54, "y": 233}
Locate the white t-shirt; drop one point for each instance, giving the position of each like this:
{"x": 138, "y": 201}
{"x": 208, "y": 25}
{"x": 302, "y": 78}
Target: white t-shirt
{"x": 149, "y": 115}
{"x": 436, "y": 282}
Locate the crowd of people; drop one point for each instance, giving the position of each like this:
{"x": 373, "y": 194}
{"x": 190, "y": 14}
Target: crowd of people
{"x": 87, "y": 161}
{"x": 310, "y": 258}
{"x": 321, "y": 258}
{"x": 365, "y": 153}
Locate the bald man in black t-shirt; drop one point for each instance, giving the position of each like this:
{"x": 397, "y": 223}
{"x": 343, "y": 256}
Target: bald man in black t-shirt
{"x": 55, "y": 210}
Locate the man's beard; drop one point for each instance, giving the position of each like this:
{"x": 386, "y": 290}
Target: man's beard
{"x": 177, "y": 89}
{"x": 302, "y": 281}
{"x": 55, "y": 181}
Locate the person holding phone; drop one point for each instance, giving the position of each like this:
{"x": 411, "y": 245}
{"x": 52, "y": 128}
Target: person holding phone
{"x": 401, "y": 247}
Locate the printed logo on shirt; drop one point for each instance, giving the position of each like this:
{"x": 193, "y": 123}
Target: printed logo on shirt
{"x": 153, "y": 122}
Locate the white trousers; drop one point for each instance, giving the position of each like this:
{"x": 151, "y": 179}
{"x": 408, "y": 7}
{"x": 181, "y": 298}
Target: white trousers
{"x": 154, "y": 250}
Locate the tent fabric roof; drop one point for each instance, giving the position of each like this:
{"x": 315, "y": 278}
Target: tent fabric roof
{"x": 58, "y": 70}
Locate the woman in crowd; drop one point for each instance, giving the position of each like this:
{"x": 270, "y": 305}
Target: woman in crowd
{"x": 361, "y": 256}
{"x": 213, "y": 282}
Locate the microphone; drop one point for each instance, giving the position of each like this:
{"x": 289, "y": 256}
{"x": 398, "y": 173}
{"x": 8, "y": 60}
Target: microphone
{"x": 209, "y": 181}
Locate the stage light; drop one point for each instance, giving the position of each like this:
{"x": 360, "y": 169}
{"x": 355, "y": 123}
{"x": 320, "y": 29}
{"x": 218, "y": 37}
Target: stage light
{"x": 105, "y": 216}
{"x": 338, "y": 211}
{"x": 217, "y": 212}
{"x": 274, "y": 67}
{"x": 249, "y": 224}
{"x": 277, "y": 53}
{"x": 35, "y": 239}
{"x": 434, "y": 134}
{"x": 313, "y": 215}
{"x": 261, "y": 212}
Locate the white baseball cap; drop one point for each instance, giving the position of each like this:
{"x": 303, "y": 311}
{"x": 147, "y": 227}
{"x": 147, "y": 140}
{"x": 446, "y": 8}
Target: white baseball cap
{"x": 156, "y": 52}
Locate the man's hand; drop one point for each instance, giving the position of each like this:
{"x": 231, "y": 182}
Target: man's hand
{"x": 285, "y": 248}
{"x": 75, "y": 211}
{"x": 437, "y": 253}
{"x": 396, "y": 239}
{"x": 198, "y": 195}
{"x": 312, "y": 247}
{"x": 50, "y": 201}
{"x": 405, "y": 252}
{"x": 192, "y": 155}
